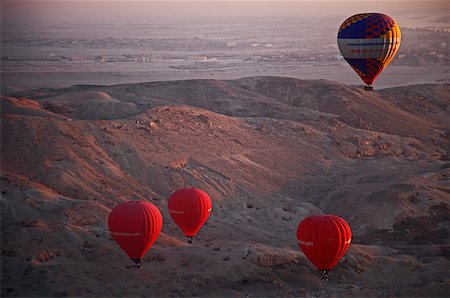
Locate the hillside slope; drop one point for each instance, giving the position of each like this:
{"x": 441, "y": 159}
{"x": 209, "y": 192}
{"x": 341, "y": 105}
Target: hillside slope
{"x": 269, "y": 151}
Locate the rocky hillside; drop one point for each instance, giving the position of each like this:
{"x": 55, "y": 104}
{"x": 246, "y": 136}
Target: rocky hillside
{"x": 268, "y": 150}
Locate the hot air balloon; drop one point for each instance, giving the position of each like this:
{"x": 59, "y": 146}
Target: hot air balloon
{"x": 324, "y": 239}
{"x": 189, "y": 209}
{"x": 135, "y": 225}
{"x": 369, "y": 41}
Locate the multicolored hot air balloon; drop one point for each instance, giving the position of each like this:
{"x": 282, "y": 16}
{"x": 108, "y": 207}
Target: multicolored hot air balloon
{"x": 369, "y": 41}
{"x": 135, "y": 225}
{"x": 324, "y": 239}
{"x": 190, "y": 208}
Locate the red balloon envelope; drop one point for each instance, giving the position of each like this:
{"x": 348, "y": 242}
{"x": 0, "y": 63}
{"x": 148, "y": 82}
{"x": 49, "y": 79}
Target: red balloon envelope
{"x": 190, "y": 208}
{"x": 324, "y": 239}
{"x": 135, "y": 225}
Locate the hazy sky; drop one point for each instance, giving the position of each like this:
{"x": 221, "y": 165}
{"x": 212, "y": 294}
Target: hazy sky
{"x": 40, "y": 12}
{"x": 425, "y": 1}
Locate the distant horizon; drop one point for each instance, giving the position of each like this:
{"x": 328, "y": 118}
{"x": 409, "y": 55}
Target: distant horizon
{"x": 37, "y": 12}
{"x": 223, "y": 1}
{"x": 218, "y": 1}
{"x": 69, "y": 42}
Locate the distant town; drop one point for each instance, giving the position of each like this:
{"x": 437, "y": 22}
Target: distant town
{"x": 419, "y": 47}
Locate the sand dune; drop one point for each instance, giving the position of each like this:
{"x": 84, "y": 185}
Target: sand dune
{"x": 269, "y": 151}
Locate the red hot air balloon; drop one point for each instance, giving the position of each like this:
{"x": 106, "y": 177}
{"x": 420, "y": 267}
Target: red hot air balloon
{"x": 189, "y": 209}
{"x": 135, "y": 225}
{"x": 324, "y": 239}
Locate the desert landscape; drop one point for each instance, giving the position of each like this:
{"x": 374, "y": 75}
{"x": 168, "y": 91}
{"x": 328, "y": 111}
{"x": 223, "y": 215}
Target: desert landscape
{"x": 268, "y": 150}
{"x": 258, "y": 110}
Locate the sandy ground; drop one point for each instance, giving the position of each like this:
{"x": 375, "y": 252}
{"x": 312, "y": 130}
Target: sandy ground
{"x": 268, "y": 150}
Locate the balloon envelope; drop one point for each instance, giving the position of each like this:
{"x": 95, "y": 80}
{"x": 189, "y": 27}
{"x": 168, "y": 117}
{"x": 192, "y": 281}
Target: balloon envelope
{"x": 324, "y": 239}
{"x": 135, "y": 225}
{"x": 190, "y": 208}
{"x": 369, "y": 42}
